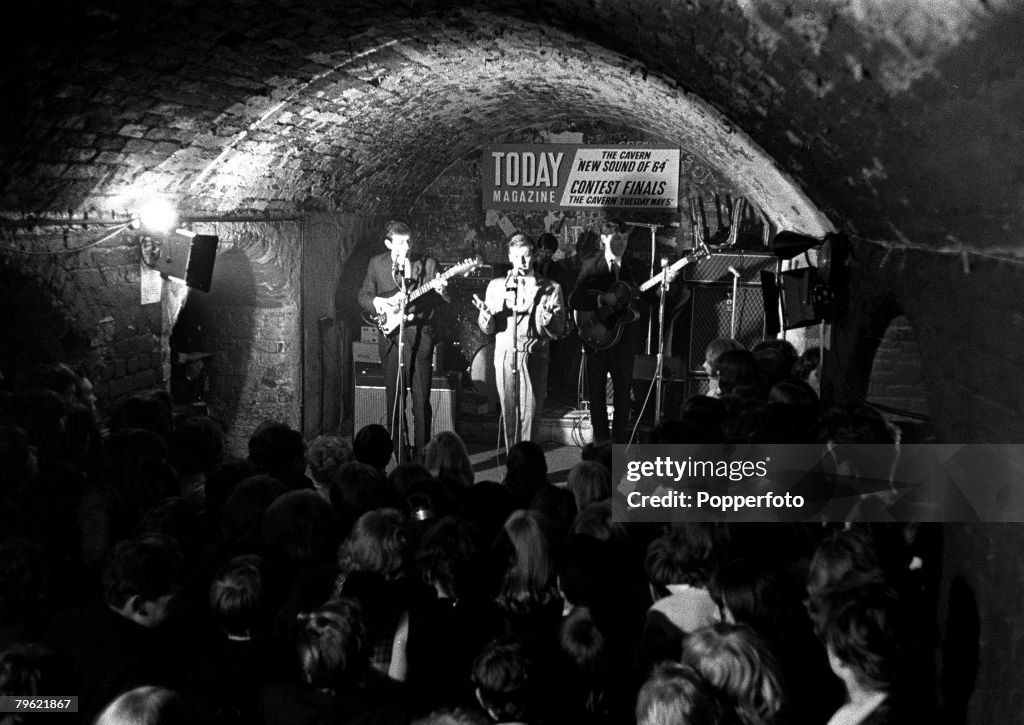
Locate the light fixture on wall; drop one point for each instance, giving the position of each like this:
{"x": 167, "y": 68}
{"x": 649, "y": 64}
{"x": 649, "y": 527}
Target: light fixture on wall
{"x": 157, "y": 215}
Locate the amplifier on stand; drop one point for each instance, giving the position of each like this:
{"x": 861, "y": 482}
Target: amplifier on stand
{"x": 370, "y": 402}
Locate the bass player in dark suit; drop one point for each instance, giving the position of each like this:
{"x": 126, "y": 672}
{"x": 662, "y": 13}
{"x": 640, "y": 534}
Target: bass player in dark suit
{"x": 598, "y": 275}
{"x": 385, "y": 275}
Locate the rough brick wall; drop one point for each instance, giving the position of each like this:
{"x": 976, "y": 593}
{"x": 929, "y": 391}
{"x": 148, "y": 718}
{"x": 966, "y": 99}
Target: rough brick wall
{"x": 251, "y": 322}
{"x": 898, "y": 370}
{"x": 81, "y": 307}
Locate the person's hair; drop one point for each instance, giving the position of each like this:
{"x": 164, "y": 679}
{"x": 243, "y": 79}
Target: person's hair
{"x": 378, "y": 543}
{"x": 332, "y": 644}
{"x": 686, "y": 554}
{"x": 752, "y": 595}
{"x": 595, "y": 520}
{"x": 677, "y": 694}
{"x": 148, "y": 567}
{"x": 57, "y": 377}
{"x": 356, "y": 489}
{"x": 242, "y": 521}
{"x": 457, "y": 716}
{"x": 236, "y": 595}
{"x": 300, "y": 528}
{"x": 147, "y": 410}
{"x": 735, "y": 369}
{"x": 276, "y": 449}
{"x": 718, "y": 346}
{"x": 613, "y": 225}
{"x": 807, "y": 363}
{"x": 503, "y": 677}
{"x": 373, "y": 446}
{"x": 396, "y": 226}
{"x": 600, "y": 452}
{"x": 449, "y": 557}
{"x": 529, "y": 575}
{"x": 526, "y": 471}
{"x": 588, "y": 243}
{"x": 794, "y": 392}
{"x": 862, "y": 626}
{"x": 547, "y": 241}
{"x": 197, "y": 444}
{"x": 589, "y": 482}
{"x": 147, "y": 705}
{"x": 783, "y": 347}
{"x": 446, "y": 458}
{"x": 705, "y": 418}
{"x": 845, "y": 555}
{"x": 586, "y": 650}
{"x": 738, "y": 663}
{"x": 326, "y": 454}
{"x": 521, "y": 240}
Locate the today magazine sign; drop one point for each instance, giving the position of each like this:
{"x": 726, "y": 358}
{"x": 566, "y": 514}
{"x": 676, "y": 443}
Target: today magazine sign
{"x": 574, "y": 176}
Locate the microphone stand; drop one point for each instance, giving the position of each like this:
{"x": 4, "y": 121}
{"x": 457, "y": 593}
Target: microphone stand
{"x": 398, "y": 413}
{"x": 515, "y": 360}
{"x": 735, "y": 301}
{"x": 659, "y": 368}
{"x": 654, "y": 244}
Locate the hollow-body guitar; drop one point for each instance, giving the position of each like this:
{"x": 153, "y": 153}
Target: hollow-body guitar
{"x": 602, "y": 328}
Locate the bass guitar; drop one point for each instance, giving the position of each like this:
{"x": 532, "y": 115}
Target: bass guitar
{"x": 602, "y": 328}
{"x": 390, "y": 319}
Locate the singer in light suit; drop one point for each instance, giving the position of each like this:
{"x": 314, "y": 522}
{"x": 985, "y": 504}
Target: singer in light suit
{"x": 524, "y": 311}
{"x": 384, "y": 276}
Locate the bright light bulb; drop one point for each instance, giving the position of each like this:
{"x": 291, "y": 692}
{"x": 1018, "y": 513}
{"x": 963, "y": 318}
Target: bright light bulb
{"x": 158, "y": 215}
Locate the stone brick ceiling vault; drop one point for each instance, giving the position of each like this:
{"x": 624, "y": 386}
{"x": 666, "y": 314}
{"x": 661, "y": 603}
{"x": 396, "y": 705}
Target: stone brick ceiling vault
{"x": 861, "y": 108}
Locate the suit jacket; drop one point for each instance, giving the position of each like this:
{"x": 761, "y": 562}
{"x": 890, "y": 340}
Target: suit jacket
{"x": 595, "y": 278}
{"x": 381, "y": 281}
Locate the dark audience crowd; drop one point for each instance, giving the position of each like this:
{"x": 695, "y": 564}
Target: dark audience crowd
{"x": 160, "y": 581}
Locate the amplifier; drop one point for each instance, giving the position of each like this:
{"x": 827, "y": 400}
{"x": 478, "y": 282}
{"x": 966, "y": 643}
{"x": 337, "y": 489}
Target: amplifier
{"x": 716, "y": 267}
{"x": 370, "y": 402}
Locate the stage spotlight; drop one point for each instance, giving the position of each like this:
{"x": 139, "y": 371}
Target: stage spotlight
{"x": 787, "y": 245}
{"x": 158, "y": 215}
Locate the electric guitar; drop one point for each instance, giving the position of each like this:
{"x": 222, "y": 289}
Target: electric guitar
{"x": 602, "y": 328}
{"x": 390, "y": 319}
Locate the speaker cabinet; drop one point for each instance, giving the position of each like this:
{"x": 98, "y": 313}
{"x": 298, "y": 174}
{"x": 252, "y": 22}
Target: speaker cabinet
{"x": 713, "y": 306}
{"x": 370, "y": 403}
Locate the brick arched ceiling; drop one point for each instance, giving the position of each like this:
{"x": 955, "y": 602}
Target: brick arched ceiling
{"x": 900, "y": 120}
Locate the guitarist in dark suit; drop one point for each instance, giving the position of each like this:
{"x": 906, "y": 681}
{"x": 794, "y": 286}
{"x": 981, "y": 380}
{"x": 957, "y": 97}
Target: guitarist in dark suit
{"x": 591, "y": 293}
{"x": 386, "y": 273}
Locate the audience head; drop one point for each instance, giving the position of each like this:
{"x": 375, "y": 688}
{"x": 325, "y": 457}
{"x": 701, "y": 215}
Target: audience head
{"x": 529, "y": 574}
{"x": 527, "y": 471}
{"x": 242, "y": 524}
{"x": 706, "y": 415}
{"x": 446, "y": 458}
{"x": 34, "y": 670}
{"x": 600, "y": 452}
{"x": 449, "y": 558}
{"x": 278, "y": 451}
{"x": 147, "y": 705}
{"x": 747, "y": 594}
{"x": 142, "y": 577}
{"x": 197, "y": 445}
{"x": 332, "y": 644}
{"x": 715, "y": 348}
{"x": 734, "y": 660}
{"x": 686, "y": 554}
{"x": 358, "y": 488}
{"x": 590, "y": 482}
{"x": 325, "y": 455}
{"x": 736, "y": 369}
{"x": 503, "y": 676}
{"x": 373, "y": 446}
{"x": 378, "y": 543}
{"x": 149, "y": 411}
{"x": 677, "y": 694}
{"x": 236, "y": 596}
{"x": 596, "y": 521}
{"x": 844, "y": 556}
{"x": 862, "y": 629}
{"x": 300, "y": 528}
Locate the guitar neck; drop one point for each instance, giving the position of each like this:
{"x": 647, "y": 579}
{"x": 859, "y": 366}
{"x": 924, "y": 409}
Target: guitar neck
{"x": 674, "y": 267}
{"x": 423, "y": 289}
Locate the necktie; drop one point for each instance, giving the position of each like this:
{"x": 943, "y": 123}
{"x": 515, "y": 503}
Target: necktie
{"x": 615, "y": 271}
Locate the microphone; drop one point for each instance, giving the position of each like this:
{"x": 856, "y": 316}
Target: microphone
{"x": 408, "y": 268}
{"x": 734, "y": 272}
